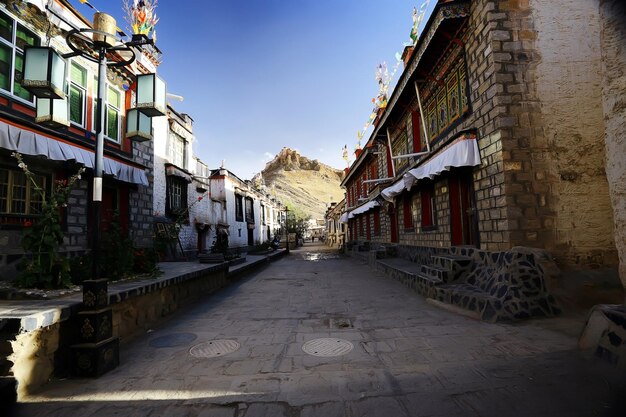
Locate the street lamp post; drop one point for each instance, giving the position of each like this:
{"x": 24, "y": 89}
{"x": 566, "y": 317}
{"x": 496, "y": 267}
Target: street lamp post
{"x": 44, "y": 84}
{"x": 287, "y": 228}
{"x": 96, "y": 349}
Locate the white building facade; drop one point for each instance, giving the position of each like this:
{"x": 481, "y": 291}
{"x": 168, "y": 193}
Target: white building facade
{"x": 181, "y": 187}
{"x": 248, "y": 215}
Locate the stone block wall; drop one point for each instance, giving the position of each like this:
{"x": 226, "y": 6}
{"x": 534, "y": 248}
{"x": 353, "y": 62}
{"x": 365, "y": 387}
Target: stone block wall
{"x": 77, "y": 219}
{"x": 549, "y": 87}
{"x": 141, "y": 198}
{"x": 38, "y": 354}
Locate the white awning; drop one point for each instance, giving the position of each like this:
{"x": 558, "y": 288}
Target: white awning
{"x": 343, "y": 218}
{"x": 362, "y": 209}
{"x": 392, "y": 191}
{"x": 30, "y": 143}
{"x": 462, "y": 153}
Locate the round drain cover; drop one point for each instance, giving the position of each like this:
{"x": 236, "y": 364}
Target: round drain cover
{"x": 172, "y": 340}
{"x": 214, "y": 348}
{"x": 327, "y": 347}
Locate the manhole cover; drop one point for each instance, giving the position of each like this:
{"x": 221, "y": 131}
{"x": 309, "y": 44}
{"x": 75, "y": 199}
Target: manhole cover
{"x": 172, "y": 340}
{"x": 327, "y": 347}
{"x": 214, "y": 348}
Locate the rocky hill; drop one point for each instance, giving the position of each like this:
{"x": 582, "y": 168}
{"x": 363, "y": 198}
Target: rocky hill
{"x": 306, "y": 185}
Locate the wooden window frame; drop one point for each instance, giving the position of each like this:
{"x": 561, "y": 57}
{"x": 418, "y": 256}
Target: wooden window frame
{"x": 15, "y": 50}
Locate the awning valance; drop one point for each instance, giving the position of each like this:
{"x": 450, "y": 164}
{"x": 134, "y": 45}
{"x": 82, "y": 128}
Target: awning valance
{"x": 462, "y": 152}
{"x": 343, "y": 218}
{"x": 26, "y": 142}
{"x": 362, "y": 209}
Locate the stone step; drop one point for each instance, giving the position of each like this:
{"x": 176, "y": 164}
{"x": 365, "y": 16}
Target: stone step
{"x": 436, "y": 272}
{"x": 456, "y": 265}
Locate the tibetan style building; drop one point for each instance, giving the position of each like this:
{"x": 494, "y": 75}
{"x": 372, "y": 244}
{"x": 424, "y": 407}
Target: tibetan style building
{"x": 489, "y": 157}
{"x": 54, "y": 149}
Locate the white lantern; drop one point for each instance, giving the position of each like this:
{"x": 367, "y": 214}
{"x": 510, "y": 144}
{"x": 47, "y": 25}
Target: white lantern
{"x": 151, "y": 95}
{"x": 52, "y": 112}
{"x": 44, "y": 72}
{"x": 138, "y": 126}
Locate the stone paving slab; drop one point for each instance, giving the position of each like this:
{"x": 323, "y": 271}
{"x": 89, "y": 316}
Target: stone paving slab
{"x": 409, "y": 358}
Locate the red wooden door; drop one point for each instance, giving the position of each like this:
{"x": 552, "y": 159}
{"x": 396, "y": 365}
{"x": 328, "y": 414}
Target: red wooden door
{"x": 463, "y": 221}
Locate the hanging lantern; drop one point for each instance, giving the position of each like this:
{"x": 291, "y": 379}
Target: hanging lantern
{"x": 44, "y": 72}
{"x": 138, "y": 126}
{"x": 151, "y": 95}
{"x": 52, "y": 112}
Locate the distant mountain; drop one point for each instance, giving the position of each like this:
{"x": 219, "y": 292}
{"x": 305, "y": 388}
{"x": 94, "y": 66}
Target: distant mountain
{"x": 301, "y": 183}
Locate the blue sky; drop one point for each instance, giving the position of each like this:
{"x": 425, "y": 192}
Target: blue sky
{"x": 258, "y": 75}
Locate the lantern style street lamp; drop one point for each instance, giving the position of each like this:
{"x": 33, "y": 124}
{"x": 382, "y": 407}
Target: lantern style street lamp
{"x": 52, "y": 112}
{"x": 44, "y": 72}
{"x": 44, "y": 77}
{"x": 138, "y": 126}
{"x": 151, "y": 95}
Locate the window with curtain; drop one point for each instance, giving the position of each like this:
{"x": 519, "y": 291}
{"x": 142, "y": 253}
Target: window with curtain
{"x": 78, "y": 94}
{"x": 13, "y": 38}
{"x": 112, "y": 101}
{"x": 113, "y": 109}
{"x": 176, "y": 150}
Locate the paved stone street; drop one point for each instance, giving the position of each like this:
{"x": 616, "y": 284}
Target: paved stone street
{"x": 409, "y": 358}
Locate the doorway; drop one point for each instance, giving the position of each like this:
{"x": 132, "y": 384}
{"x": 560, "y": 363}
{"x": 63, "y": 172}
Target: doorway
{"x": 250, "y": 234}
{"x": 463, "y": 214}
{"x": 393, "y": 223}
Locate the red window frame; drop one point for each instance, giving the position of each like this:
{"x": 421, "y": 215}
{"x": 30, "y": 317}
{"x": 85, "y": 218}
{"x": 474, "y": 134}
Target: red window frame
{"x": 415, "y": 120}
{"x": 429, "y": 210}
{"x": 377, "y": 222}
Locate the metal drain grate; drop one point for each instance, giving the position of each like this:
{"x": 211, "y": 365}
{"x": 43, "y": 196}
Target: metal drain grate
{"x": 327, "y": 347}
{"x": 214, "y": 348}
